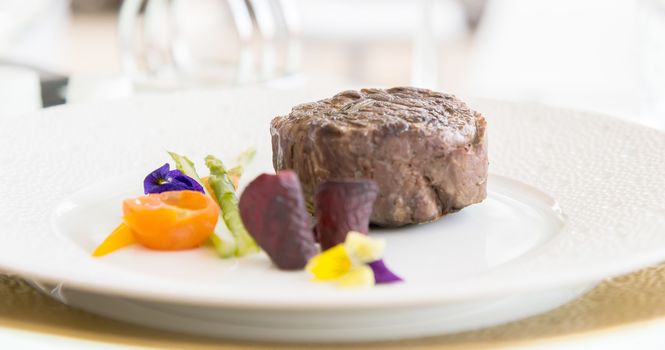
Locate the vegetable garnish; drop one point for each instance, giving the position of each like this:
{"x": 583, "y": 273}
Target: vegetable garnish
{"x": 229, "y": 236}
{"x": 163, "y": 179}
{"x": 121, "y": 237}
{"x": 221, "y": 238}
{"x": 355, "y": 263}
{"x": 273, "y": 210}
{"x": 225, "y": 195}
{"x": 242, "y": 160}
{"x": 172, "y": 220}
{"x": 330, "y": 264}
{"x": 381, "y": 272}
{"x": 342, "y": 206}
{"x": 181, "y": 211}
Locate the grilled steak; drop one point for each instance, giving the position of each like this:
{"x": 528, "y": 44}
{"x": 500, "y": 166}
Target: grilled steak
{"x": 426, "y": 150}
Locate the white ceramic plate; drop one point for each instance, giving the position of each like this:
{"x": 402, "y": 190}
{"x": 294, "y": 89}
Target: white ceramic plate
{"x": 350, "y": 325}
{"x": 575, "y": 198}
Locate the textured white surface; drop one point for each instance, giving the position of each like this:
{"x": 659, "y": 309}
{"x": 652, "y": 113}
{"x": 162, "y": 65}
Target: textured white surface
{"x": 606, "y": 174}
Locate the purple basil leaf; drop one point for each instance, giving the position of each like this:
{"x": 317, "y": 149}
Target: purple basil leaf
{"x": 163, "y": 179}
{"x": 382, "y": 274}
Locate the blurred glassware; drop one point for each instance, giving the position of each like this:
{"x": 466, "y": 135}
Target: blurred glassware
{"x": 425, "y": 53}
{"x": 565, "y": 53}
{"x": 33, "y": 32}
{"x": 651, "y": 41}
{"x": 430, "y": 35}
{"x": 278, "y": 27}
{"x": 170, "y": 44}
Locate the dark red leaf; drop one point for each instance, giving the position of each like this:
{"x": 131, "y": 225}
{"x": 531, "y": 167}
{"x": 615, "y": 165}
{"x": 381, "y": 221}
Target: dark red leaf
{"x": 273, "y": 211}
{"x": 342, "y": 206}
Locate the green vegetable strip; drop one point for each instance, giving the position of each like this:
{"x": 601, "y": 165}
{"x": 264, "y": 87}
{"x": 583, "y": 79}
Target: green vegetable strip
{"x": 243, "y": 159}
{"x": 221, "y": 238}
{"x": 235, "y": 171}
{"x": 226, "y": 196}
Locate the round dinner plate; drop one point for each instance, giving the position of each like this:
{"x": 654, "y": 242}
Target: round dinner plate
{"x": 312, "y": 326}
{"x": 573, "y": 198}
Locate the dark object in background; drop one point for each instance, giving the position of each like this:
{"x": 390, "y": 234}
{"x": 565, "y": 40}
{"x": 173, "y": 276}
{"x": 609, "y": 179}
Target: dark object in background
{"x": 474, "y": 10}
{"x": 54, "y": 88}
{"x": 426, "y": 150}
{"x": 95, "y": 5}
{"x": 342, "y": 206}
{"x": 273, "y": 211}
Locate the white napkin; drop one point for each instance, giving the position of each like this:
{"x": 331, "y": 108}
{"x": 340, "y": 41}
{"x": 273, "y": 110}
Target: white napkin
{"x": 86, "y": 88}
{"x": 20, "y": 91}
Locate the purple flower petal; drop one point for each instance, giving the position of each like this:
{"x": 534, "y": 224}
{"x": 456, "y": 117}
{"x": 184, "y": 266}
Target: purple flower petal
{"x": 382, "y": 274}
{"x": 187, "y": 181}
{"x": 163, "y": 179}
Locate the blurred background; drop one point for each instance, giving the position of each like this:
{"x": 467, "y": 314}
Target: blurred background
{"x": 598, "y": 55}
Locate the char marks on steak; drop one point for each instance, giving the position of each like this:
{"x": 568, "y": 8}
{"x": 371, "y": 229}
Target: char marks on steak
{"x": 426, "y": 150}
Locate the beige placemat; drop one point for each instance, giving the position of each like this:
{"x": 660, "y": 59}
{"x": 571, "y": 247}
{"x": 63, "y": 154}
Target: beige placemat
{"x": 616, "y": 302}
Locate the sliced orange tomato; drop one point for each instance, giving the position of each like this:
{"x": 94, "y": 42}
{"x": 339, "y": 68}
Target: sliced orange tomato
{"x": 173, "y": 220}
{"x": 165, "y": 221}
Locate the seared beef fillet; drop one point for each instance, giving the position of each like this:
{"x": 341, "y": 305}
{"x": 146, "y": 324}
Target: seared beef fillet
{"x": 426, "y": 150}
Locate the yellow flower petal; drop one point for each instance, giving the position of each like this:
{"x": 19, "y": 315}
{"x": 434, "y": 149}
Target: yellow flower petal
{"x": 364, "y": 248}
{"x": 120, "y": 237}
{"x": 330, "y": 264}
{"x": 357, "y": 277}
